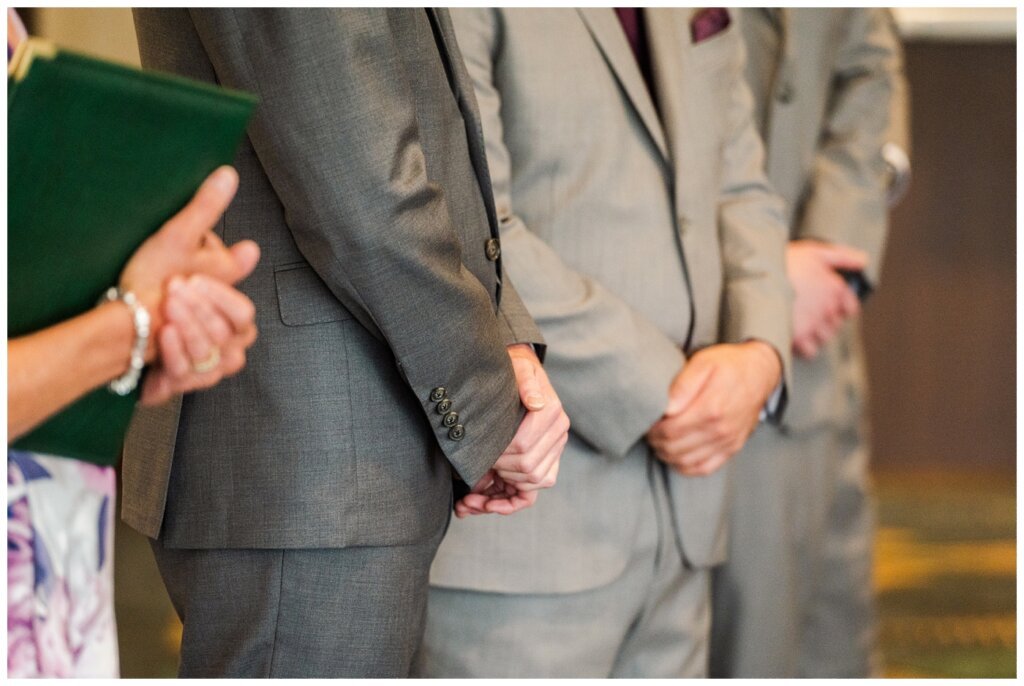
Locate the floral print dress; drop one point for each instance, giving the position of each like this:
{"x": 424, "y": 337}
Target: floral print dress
{"x": 60, "y": 572}
{"x": 60, "y": 602}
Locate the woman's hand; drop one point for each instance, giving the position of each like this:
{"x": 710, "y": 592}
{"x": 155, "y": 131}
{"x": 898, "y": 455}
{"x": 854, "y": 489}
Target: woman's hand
{"x": 183, "y": 274}
{"x": 186, "y": 245}
{"x": 51, "y": 368}
{"x": 208, "y": 328}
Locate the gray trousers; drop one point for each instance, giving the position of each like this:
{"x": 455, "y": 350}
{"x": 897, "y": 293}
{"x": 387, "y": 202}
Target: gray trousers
{"x": 334, "y": 612}
{"x": 794, "y": 598}
{"x": 839, "y": 638}
{"x": 652, "y": 621}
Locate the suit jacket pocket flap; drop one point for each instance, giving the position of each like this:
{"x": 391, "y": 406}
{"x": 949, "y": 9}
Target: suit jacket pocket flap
{"x": 304, "y": 298}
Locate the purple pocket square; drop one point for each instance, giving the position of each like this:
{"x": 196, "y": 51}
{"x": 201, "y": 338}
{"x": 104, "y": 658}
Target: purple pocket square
{"x": 709, "y": 22}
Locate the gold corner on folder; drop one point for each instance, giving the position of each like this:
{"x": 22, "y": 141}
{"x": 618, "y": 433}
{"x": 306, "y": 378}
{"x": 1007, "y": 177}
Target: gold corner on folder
{"x": 27, "y": 51}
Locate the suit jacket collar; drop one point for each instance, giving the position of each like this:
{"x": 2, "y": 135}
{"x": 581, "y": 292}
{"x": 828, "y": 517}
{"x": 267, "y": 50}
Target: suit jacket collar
{"x": 783, "y": 52}
{"x": 669, "y": 82}
{"x": 611, "y": 40}
{"x": 781, "y": 19}
{"x": 671, "y": 67}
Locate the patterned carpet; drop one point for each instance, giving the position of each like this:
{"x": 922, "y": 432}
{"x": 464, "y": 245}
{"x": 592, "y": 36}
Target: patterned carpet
{"x": 945, "y": 576}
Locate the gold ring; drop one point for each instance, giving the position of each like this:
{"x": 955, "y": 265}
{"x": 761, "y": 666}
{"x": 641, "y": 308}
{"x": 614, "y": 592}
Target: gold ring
{"x": 209, "y": 364}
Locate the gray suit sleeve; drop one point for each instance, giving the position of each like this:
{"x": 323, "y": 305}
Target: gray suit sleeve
{"x": 849, "y": 181}
{"x": 337, "y": 133}
{"x": 610, "y": 365}
{"x": 515, "y": 323}
{"x": 757, "y": 296}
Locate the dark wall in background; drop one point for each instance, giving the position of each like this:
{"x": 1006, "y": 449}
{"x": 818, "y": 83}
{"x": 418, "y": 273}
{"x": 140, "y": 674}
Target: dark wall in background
{"x": 29, "y": 17}
{"x": 940, "y": 332}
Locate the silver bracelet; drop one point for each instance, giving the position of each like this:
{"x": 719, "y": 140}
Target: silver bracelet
{"x": 127, "y": 382}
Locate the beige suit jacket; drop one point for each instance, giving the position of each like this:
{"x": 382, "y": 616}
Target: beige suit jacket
{"x": 830, "y": 94}
{"x": 632, "y": 231}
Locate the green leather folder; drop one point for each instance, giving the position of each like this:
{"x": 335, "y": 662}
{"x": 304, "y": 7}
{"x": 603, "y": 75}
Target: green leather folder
{"x": 99, "y": 155}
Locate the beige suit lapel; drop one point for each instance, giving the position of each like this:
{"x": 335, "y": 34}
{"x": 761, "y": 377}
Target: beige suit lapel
{"x": 783, "y": 25}
{"x": 611, "y": 40}
{"x": 665, "y": 30}
{"x": 785, "y": 55}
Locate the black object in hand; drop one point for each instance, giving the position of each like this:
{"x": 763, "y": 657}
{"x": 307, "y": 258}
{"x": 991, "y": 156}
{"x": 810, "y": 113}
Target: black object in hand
{"x": 857, "y": 283}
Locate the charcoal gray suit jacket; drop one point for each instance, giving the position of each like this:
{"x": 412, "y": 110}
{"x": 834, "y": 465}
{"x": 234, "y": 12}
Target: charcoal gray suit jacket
{"x": 380, "y": 291}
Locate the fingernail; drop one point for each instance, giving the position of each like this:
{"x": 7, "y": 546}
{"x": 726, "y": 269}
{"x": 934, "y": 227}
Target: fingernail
{"x": 223, "y": 179}
{"x": 535, "y": 400}
{"x": 175, "y": 285}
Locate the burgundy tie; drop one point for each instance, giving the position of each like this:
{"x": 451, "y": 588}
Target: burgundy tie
{"x": 632, "y": 20}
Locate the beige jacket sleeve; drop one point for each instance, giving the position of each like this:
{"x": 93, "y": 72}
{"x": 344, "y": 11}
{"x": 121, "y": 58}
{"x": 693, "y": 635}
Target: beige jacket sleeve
{"x": 851, "y": 178}
{"x": 598, "y": 346}
{"x": 757, "y": 296}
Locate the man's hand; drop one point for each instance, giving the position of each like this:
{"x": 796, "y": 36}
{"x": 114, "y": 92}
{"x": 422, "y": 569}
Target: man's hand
{"x": 713, "y": 406}
{"x": 822, "y": 300}
{"x": 531, "y": 460}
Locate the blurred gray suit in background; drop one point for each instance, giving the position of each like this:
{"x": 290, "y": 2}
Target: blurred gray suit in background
{"x": 795, "y": 597}
{"x": 638, "y": 229}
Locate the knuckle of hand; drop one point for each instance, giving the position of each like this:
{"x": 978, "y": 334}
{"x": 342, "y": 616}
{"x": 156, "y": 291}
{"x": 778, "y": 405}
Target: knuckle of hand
{"x": 563, "y": 423}
{"x": 248, "y": 310}
{"x": 220, "y": 334}
{"x": 528, "y": 463}
{"x": 534, "y": 476}
{"x": 236, "y": 365}
{"x": 722, "y": 431}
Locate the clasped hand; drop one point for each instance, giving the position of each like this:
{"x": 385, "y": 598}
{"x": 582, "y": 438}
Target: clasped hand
{"x": 822, "y": 301}
{"x": 184, "y": 274}
{"x": 714, "y": 405}
{"x": 530, "y": 463}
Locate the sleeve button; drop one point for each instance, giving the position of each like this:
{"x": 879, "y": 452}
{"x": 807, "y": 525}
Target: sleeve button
{"x": 438, "y": 393}
{"x": 444, "y": 405}
{"x": 457, "y": 432}
{"x": 450, "y": 419}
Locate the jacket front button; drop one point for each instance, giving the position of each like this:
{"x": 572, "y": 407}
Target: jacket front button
{"x": 492, "y": 248}
{"x": 444, "y": 406}
{"x": 438, "y": 393}
{"x": 450, "y": 419}
{"x": 457, "y": 432}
